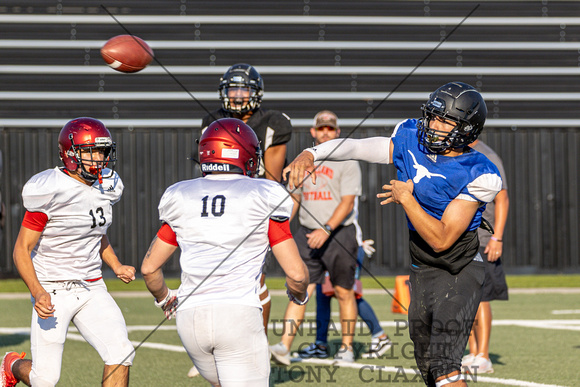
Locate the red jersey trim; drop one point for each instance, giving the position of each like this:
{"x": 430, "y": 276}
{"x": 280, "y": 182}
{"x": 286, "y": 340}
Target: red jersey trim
{"x": 167, "y": 235}
{"x": 279, "y": 232}
{"x": 35, "y": 221}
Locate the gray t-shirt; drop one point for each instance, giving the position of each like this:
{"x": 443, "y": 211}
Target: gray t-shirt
{"x": 334, "y": 179}
{"x": 489, "y": 212}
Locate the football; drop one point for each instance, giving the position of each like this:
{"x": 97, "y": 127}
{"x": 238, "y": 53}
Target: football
{"x": 127, "y": 53}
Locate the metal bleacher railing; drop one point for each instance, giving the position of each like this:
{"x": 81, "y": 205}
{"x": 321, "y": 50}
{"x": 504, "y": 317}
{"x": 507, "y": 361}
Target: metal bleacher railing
{"x": 524, "y": 66}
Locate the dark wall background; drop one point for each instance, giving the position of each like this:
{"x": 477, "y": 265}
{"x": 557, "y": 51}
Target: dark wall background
{"x": 345, "y": 56}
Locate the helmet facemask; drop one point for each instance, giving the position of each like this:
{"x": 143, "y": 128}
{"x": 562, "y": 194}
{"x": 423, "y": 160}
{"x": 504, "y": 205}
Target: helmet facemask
{"x": 85, "y": 157}
{"x": 239, "y": 83}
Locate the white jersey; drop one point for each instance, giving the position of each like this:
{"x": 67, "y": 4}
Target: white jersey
{"x": 78, "y": 217}
{"x": 221, "y": 222}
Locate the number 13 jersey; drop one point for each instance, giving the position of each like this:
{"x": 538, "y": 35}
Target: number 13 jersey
{"x": 78, "y": 217}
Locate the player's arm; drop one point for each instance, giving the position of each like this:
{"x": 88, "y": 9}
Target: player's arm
{"x": 274, "y": 158}
{"x": 160, "y": 251}
{"x": 439, "y": 234}
{"x": 286, "y": 253}
{"x": 494, "y": 248}
{"x": 125, "y": 273}
{"x": 319, "y": 236}
{"x": 377, "y": 150}
{"x": 25, "y": 242}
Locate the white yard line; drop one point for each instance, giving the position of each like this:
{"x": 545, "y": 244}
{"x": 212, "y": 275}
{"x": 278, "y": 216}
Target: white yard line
{"x": 372, "y": 371}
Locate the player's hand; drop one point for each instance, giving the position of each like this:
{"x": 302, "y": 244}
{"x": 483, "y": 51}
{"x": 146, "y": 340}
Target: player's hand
{"x": 317, "y": 238}
{"x": 300, "y": 169}
{"x": 43, "y": 305}
{"x": 295, "y": 299}
{"x": 397, "y": 191}
{"x": 125, "y": 273}
{"x": 494, "y": 250}
{"x": 169, "y": 304}
{"x": 368, "y": 248}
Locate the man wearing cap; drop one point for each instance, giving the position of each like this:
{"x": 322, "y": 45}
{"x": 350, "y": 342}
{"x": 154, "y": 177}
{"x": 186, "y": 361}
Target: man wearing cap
{"x": 326, "y": 239}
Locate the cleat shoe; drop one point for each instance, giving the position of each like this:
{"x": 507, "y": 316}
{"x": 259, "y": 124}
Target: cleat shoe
{"x": 193, "y": 372}
{"x": 344, "y": 356}
{"x": 480, "y": 365}
{"x": 314, "y": 350}
{"x": 377, "y": 348}
{"x": 467, "y": 360}
{"x": 280, "y": 354}
{"x": 6, "y": 376}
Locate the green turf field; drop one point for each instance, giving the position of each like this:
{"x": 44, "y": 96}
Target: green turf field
{"x": 535, "y": 339}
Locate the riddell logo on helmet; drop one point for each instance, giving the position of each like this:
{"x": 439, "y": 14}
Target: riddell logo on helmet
{"x": 213, "y": 167}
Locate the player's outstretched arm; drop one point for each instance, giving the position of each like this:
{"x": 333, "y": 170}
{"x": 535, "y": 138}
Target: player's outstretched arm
{"x": 297, "y": 279}
{"x": 25, "y": 242}
{"x": 125, "y": 273}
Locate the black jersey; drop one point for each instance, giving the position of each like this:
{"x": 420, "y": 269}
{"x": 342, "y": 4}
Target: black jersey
{"x": 271, "y": 126}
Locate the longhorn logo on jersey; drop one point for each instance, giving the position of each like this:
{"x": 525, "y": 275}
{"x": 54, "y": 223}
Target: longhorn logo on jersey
{"x": 422, "y": 171}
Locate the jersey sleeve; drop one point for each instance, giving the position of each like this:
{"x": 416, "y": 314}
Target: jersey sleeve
{"x": 282, "y": 127}
{"x": 279, "y": 200}
{"x": 278, "y": 231}
{"x": 485, "y": 182}
{"x": 35, "y": 221}
{"x": 167, "y": 235}
{"x": 168, "y": 210}
{"x": 38, "y": 193}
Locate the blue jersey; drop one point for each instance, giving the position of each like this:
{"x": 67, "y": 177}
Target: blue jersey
{"x": 440, "y": 179}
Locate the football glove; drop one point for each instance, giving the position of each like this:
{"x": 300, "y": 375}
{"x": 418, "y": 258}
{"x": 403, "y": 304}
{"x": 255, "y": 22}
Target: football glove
{"x": 168, "y": 304}
{"x": 294, "y": 299}
{"x": 368, "y": 248}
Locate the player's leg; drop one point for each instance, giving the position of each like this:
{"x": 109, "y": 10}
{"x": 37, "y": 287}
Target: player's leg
{"x": 247, "y": 363}
{"x": 102, "y": 325}
{"x": 348, "y": 313}
{"x": 195, "y": 329}
{"x": 318, "y": 349}
{"x": 483, "y": 328}
{"x": 340, "y": 261}
{"x": 47, "y": 337}
{"x": 453, "y": 315}
{"x": 293, "y": 319}
{"x": 380, "y": 342}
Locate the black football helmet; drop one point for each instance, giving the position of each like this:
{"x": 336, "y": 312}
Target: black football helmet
{"x": 244, "y": 76}
{"x": 457, "y": 102}
{"x": 89, "y": 135}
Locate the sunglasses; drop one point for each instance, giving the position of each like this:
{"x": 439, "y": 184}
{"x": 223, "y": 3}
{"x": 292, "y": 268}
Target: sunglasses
{"x": 329, "y": 128}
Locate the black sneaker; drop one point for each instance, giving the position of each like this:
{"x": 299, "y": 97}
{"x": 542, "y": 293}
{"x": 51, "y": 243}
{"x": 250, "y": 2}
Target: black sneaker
{"x": 313, "y": 350}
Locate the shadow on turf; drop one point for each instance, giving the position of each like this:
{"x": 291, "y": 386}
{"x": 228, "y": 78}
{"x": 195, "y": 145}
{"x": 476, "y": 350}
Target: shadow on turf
{"x": 12, "y": 340}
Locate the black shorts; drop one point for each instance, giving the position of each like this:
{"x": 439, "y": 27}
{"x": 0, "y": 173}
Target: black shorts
{"x": 337, "y": 256}
{"x": 495, "y": 286}
{"x": 441, "y": 314}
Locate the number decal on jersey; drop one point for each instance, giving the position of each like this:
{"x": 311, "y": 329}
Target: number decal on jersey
{"x": 101, "y": 219}
{"x": 218, "y": 200}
